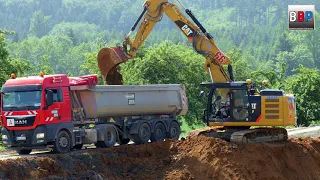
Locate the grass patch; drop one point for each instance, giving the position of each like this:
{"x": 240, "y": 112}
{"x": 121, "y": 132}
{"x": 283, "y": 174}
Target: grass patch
{"x": 2, "y": 147}
{"x": 315, "y": 122}
{"x": 185, "y": 128}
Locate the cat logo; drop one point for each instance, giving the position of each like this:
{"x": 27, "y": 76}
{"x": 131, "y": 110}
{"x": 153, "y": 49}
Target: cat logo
{"x": 253, "y": 107}
{"x": 186, "y": 29}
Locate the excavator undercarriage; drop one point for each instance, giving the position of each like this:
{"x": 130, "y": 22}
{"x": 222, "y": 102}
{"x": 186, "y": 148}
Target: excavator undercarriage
{"x": 244, "y": 135}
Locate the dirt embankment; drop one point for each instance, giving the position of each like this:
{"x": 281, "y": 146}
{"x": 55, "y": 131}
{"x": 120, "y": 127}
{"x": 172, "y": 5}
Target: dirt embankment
{"x": 193, "y": 158}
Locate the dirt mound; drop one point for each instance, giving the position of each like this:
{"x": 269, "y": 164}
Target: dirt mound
{"x": 208, "y": 158}
{"x": 194, "y": 158}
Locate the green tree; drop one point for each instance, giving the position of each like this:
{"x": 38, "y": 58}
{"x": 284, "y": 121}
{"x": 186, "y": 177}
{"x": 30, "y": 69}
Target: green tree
{"x": 72, "y": 37}
{"x": 90, "y": 66}
{"x": 44, "y": 66}
{"x": 8, "y": 64}
{"x": 305, "y": 86}
{"x": 275, "y": 75}
{"x": 241, "y": 69}
{"x": 39, "y": 25}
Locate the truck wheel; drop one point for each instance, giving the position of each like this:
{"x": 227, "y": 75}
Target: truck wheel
{"x": 24, "y": 151}
{"x": 144, "y": 134}
{"x": 110, "y": 138}
{"x": 62, "y": 143}
{"x": 159, "y": 133}
{"x": 174, "y": 131}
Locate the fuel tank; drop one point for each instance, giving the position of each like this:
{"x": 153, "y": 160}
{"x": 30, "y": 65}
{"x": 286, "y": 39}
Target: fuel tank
{"x": 133, "y": 100}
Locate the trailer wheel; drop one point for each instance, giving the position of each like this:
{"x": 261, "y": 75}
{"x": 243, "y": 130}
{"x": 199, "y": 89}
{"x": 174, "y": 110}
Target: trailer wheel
{"x": 159, "y": 133}
{"x": 24, "y": 151}
{"x": 174, "y": 131}
{"x": 144, "y": 134}
{"x": 62, "y": 143}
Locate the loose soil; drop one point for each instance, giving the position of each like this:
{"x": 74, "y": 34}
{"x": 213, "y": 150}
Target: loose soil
{"x": 196, "y": 157}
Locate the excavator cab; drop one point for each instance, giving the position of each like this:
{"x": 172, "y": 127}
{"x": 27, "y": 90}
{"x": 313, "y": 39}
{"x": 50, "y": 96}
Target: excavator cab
{"x": 232, "y": 108}
{"x": 227, "y": 102}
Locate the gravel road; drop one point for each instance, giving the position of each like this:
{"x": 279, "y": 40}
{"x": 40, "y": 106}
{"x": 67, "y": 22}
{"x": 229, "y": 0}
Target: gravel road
{"x": 303, "y": 132}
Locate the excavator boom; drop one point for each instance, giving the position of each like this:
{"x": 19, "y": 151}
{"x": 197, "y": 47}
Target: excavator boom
{"x": 202, "y": 42}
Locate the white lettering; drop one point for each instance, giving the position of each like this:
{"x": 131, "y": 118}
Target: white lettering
{"x": 20, "y": 122}
{"x": 293, "y": 16}
{"x": 253, "y": 105}
{"x": 187, "y": 30}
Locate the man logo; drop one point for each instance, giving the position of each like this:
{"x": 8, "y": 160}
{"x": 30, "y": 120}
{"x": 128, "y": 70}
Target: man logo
{"x": 301, "y": 17}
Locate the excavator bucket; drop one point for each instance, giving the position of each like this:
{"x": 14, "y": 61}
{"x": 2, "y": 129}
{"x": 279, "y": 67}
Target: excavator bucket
{"x": 108, "y": 61}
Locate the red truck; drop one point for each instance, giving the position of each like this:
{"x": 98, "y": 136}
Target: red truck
{"x": 64, "y": 113}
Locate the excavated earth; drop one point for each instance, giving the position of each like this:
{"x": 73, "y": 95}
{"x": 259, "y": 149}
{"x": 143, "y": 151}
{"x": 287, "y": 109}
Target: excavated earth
{"x": 196, "y": 157}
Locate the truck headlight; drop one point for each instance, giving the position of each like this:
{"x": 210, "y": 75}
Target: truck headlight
{"x": 40, "y": 135}
{"x": 4, "y": 136}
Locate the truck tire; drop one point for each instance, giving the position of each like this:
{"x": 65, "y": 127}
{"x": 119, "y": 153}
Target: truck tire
{"x": 174, "y": 131}
{"x": 159, "y": 133}
{"x": 63, "y": 143}
{"x": 24, "y": 151}
{"x": 144, "y": 134}
{"x": 110, "y": 138}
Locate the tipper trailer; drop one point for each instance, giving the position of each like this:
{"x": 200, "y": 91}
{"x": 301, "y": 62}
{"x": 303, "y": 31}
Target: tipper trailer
{"x": 63, "y": 112}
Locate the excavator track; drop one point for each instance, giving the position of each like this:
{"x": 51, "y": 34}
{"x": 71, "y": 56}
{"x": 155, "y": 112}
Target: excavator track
{"x": 257, "y": 135}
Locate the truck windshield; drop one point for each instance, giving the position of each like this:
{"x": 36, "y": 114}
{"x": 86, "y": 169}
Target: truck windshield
{"x": 22, "y": 100}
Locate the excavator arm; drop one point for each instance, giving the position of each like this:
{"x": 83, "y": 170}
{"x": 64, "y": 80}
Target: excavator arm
{"x": 202, "y": 42}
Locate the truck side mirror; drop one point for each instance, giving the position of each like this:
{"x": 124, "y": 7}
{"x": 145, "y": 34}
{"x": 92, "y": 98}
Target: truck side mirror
{"x": 49, "y": 98}
{"x": 201, "y": 93}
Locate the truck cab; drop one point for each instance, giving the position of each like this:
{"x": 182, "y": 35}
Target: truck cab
{"x": 34, "y": 110}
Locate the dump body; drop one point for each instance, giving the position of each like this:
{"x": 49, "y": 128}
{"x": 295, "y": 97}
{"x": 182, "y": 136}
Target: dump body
{"x": 132, "y": 100}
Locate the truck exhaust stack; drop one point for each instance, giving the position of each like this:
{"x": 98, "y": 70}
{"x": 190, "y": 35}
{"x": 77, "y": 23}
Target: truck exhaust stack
{"x": 108, "y": 60}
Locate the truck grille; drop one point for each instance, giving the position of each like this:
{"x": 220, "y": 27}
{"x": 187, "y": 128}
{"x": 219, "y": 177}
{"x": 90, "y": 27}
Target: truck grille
{"x": 22, "y": 121}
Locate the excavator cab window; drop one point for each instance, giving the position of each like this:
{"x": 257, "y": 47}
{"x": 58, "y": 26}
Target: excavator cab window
{"x": 239, "y": 105}
{"x": 228, "y": 104}
{"x": 217, "y": 109}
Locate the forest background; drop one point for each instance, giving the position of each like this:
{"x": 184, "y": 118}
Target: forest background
{"x": 64, "y": 36}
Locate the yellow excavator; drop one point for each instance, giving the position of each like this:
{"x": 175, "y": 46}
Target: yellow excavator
{"x": 233, "y": 108}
